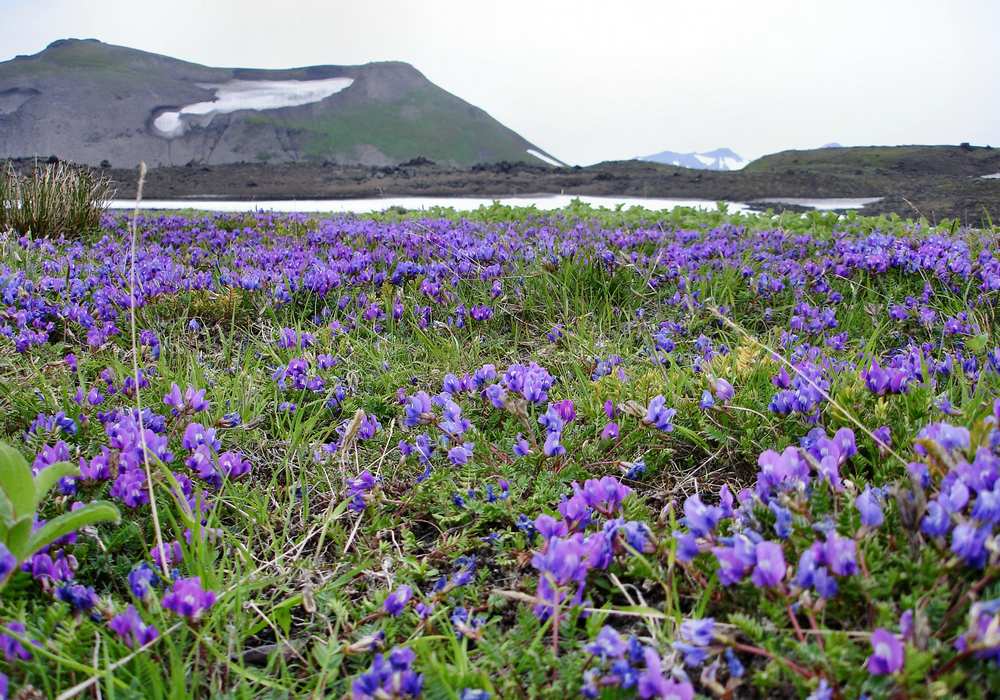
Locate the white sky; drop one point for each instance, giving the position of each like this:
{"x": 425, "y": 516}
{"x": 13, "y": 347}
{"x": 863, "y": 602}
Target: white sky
{"x": 590, "y": 81}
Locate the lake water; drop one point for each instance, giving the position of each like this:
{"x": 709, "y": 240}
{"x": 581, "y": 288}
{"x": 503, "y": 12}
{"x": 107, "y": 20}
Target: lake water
{"x": 827, "y": 204}
{"x": 542, "y": 202}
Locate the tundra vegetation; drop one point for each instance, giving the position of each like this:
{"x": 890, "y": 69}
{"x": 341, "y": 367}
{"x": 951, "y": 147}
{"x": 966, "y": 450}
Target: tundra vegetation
{"x": 508, "y": 454}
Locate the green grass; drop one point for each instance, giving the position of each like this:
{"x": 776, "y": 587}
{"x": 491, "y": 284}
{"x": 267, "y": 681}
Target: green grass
{"x": 446, "y": 129}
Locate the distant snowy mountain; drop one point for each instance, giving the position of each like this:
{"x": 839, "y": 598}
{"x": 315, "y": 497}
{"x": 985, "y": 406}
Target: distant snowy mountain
{"x": 719, "y": 159}
{"x": 834, "y": 144}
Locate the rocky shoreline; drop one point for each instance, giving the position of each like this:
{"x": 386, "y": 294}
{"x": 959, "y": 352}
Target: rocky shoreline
{"x": 935, "y": 182}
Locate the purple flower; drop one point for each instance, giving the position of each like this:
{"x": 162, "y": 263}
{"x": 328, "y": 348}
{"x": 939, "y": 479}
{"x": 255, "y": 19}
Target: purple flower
{"x": 698, "y": 632}
{"x": 530, "y": 381}
{"x": 396, "y": 601}
{"x": 722, "y": 389}
{"x": 474, "y": 694}
{"x": 608, "y": 645}
{"x": 461, "y": 454}
{"x": 782, "y": 519}
{"x": 188, "y": 599}
{"x": 553, "y": 447}
{"x": 565, "y": 410}
{"x": 552, "y": 420}
{"x": 169, "y": 555}
{"x": 605, "y": 494}
{"x": 610, "y": 432}
{"x": 840, "y": 554}
{"x": 770, "y": 568}
{"x": 8, "y": 562}
{"x": 174, "y": 399}
{"x": 496, "y": 395}
{"x": 359, "y": 490}
{"x": 196, "y": 435}
{"x": 12, "y": 648}
{"x": 936, "y": 521}
{"x": 822, "y": 692}
{"x": 389, "y": 677}
{"x": 887, "y": 653}
{"x": 687, "y": 546}
{"x": 883, "y": 438}
{"x": 658, "y": 415}
{"x": 195, "y": 399}
{"x": 81, "y": 598}
{"x": 700, "y": 518}
{"x": 735, "y": 559}
{"x": 418, "y": 410}
{"x": 233, "y": 464}
{"x": 969, "y": 543}
{"x": 869, "y": 506}
{"x": 521, "y": 447}
{"x": 653, "y": 684}
{"x": 131, "y": 630}
{"x": 141, "y": 579}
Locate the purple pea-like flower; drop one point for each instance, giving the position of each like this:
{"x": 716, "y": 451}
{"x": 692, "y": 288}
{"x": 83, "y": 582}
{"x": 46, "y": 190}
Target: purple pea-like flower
{"x": 687, "y": 546}
{"x": 936, "y": 522}
{"x": 11, "y": 647}
{"x": 418, "y": 410}
{"x": 969, "y": 542}
{"x": 233, "y": 464}
{"x": 608, "y": 644}
{"x": 461, "y": 454}
{"x": 553, "y": 447}
{"x": 887, "y": 653}
{"x": 174, "y": 398}
{"x": 658, "y": 415}
{"x": 8, "y": 562}
{"x": 142, "y": 578}
{"x": 883, "y": 438}
{"x": 131, "y": 630}
{"x": 188, "y": 599}
{"x": 521, "y": 447}
{"x": 653, "y": 684}
{"x": 869, "y": 506}
{"x": 396, "y": 601}
{"x": 840, "y": 554}
{"x": 81, "y": 598}
{"x": 700, "y": 518}
{"x": 722, "y": 389}
{"x": 359, "y": 490}
{"x": 698, "y": 632}
{"x": 735, "y": 559}
{"x": 769, "y": 570}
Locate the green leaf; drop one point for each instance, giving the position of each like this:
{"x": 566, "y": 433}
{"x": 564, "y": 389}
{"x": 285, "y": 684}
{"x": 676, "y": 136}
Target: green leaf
{"x": 6, "y": 511}
{"x": 50, "y": 476}
{"x": 977, "y": 343}
{"x": 16, "y": 481}
{"x": 18, "y": 536}
{"x": 98, "y": 511}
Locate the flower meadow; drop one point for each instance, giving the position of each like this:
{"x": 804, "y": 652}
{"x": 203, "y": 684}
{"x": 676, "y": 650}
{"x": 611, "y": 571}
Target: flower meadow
{"x": 599, "y": 454}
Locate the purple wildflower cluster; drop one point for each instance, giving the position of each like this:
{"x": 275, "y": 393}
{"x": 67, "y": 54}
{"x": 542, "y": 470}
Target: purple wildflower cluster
{"x": 569, "y": 553}
{"x": 390, "y": 676}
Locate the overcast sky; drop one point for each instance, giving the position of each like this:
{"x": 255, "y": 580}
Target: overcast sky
{"x": 591, "y": 81}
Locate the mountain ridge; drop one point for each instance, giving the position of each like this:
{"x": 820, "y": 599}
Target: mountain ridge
{"x": 716, "y": 159}
{"x": 87, "y": 101}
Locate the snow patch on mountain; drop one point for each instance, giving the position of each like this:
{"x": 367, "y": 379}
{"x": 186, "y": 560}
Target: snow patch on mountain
{"x": 548, "y": 159}
{"x": 237, "y": 95}
{"x": 719, "y": 159}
